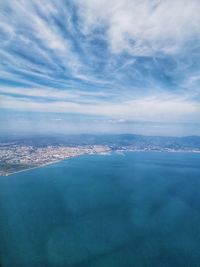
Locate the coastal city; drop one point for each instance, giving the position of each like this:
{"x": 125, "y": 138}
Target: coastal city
{"x": 15, "y": 158}
{"x": 19, "y": 154}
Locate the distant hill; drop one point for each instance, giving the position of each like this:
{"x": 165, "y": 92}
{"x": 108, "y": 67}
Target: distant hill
{"x": 112, "y": 140}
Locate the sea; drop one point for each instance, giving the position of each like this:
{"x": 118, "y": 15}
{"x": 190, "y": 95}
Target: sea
{"x": 135, "y": 209}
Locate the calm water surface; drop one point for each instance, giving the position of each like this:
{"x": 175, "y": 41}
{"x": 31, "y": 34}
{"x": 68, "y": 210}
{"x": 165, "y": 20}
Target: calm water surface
{"x": 136, "y": 210}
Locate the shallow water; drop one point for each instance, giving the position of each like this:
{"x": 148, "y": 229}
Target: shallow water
{"x": 137, "y": 210}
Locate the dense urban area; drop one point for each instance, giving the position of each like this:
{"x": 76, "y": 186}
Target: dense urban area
{"x": 18, "y": 154}
{"x": 15, "y": 158}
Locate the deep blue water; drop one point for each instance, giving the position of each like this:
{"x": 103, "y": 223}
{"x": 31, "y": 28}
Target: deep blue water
{"x": 136, "y": 210}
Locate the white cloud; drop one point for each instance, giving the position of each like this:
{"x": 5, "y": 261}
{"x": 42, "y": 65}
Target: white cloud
{"x": 46, "y": 94}
{"x": 143, "y": 27}
{"x": 26, "y": 27}
{"x": 164, "y": 108}
{"x": 39, "y": 53}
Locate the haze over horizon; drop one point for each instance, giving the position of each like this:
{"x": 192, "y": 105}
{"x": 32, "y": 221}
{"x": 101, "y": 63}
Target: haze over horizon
{"x": 96, "y": 66}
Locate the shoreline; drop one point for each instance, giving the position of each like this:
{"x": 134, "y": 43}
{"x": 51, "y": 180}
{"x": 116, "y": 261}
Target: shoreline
{"x": 118, "y": 151}
{"x": 39, "y": 166}
{"x": 159, "y": 151}
{"x": 51, "y": 162}
{"x": 31, "y": 168}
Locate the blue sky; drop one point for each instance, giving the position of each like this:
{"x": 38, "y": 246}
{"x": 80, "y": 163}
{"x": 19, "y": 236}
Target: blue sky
{"x": 100, "y": 66}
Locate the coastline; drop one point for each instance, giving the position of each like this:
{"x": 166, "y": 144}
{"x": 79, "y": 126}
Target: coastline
{"x": 121, "y": 151}
{"x": 118, "y": 151}
{"x": 35, "y": 167}
{"x": 51, "y": 162}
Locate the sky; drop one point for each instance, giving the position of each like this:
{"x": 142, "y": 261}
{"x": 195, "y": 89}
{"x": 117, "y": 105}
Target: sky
{"x": 99, "y": 66}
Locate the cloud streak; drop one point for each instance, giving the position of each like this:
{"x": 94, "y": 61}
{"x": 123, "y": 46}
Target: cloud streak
{"x": 144, "y": 27}
{"x": 120, "y": 59}
{"x": 162, "y": 109}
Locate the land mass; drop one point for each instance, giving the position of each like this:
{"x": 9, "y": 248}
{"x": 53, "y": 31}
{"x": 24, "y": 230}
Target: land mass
{"x": 18, "y": 153}
{"x": 15, "y": 157}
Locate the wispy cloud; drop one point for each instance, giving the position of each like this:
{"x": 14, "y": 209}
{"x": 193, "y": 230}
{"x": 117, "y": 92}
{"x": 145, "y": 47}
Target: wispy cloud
{"x": 144, "y": 27}
{"x": 161, "y": 109}
{"x": 121, "y": 59}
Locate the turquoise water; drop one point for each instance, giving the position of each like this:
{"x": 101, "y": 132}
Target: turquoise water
{"x": 136, "y": 210}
